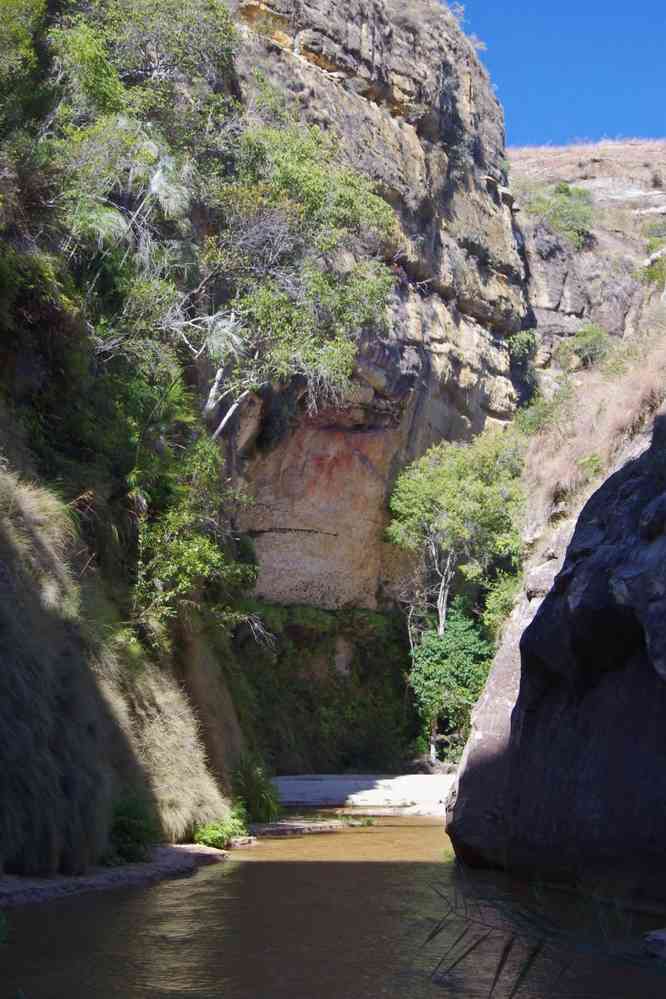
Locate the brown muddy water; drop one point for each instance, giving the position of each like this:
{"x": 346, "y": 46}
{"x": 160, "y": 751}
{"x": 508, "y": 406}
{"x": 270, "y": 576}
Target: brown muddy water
{"x": 336, "y": 916}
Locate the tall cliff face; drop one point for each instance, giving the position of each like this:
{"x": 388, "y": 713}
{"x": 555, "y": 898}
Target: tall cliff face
{"x": 562, "y": 775}
{"x": 114, "y": 697}
{"x": 403, "y": 90}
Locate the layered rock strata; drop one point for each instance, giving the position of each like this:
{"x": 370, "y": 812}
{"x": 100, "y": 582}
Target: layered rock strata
{"x": 403, "y": 89}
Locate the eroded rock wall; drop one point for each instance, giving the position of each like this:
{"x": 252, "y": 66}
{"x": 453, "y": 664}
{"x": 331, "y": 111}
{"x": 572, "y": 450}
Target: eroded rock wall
{"x": 404, "y": 91}
{"x": 564, "y": 774}
{"x": 599, "y": 283}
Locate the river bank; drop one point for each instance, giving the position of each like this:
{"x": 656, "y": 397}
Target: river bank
{"x": 379, "y": 794}
{"x": 358, "y": 794}
{"x": 166, "y": 862}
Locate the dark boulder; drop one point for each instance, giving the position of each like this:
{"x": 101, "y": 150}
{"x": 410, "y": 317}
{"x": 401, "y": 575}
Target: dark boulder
{"x": 569, "y": 782}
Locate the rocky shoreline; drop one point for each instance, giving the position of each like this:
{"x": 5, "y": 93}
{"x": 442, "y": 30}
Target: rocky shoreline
{"x": 166, "y": 862}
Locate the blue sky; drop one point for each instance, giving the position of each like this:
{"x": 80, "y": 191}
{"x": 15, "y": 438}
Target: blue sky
{"x": 575, "y": 70}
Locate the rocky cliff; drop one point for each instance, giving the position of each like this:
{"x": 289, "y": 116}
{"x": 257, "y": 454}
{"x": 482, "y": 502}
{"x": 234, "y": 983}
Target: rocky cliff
{"x": 107, "y": 696}
{"x": 403, "y": 90}
{"x": 562, "y": 775}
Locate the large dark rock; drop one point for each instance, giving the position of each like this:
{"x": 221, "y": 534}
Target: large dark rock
{"x": 570, "y": 785}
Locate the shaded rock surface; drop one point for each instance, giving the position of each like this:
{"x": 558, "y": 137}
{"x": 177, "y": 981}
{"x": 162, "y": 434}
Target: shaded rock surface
{"x": 569, "y": 783}
{"x": 402, "y": 88}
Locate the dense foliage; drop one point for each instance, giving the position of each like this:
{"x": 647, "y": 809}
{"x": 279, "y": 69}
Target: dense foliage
{"x": 456, "y": 510}
{"x": 169, "y": 245}
{"x": 448, "y": 674}
{"x": 134, "y": 830}
{"x": 168, "y": 248}
{"x": 219, "y": 834}
{"x": 253, "y": 787}
{"x": 307, "y": 713}
{"x": 587, "y": 347}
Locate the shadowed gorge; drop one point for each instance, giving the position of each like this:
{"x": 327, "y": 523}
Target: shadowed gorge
{"x": 332, "y": 475}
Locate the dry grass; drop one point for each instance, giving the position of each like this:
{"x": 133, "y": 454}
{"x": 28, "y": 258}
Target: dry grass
{"x": 78, "y": 727}
{"x": 54, "y": 786}
{"x": 605, "y": 409}
{"x": 168, "y": 741}
{"x": 637, "y": 158}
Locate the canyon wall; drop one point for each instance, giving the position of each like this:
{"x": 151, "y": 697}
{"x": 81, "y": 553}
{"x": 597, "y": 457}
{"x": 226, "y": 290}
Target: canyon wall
{"x": 99, "y": 707}
{"x": 563, "y": 772}
{"x": 403, "y": 90}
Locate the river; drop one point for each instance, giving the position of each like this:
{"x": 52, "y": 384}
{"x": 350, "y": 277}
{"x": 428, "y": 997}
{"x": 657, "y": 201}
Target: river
{"x": 336, "y": 916}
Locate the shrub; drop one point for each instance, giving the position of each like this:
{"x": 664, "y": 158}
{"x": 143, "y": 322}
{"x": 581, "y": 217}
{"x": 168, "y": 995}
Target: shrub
{"x": 592, "y": 465}
{"x": 541, "y": 412}
{"x": 568, "y": 210}
{"x": 19, "y": 26}
{"x": 168, "y": 39}
{"x": 134, "y": 830}
{"x": 498, "y": 602}
{"x": 589, "y": 346}
{"x": 254, "y": 788}
{"x": 655, "y": 273}
{"x": 448, "y": 674}
{"x": 219, "y": 834}
{"x": 186, "y": 555}
{"x": 522, "y": 347}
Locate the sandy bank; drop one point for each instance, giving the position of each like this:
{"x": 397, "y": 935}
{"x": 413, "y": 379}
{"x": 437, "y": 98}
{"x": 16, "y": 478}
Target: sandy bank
{"x": 409, "y": 794}
{"x": 167, "y": 862}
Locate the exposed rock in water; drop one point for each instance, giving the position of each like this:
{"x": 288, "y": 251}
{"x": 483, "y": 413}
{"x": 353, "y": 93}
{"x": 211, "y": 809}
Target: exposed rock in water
{"x": 569, "y": 784}
{"x": 414, "y": 109}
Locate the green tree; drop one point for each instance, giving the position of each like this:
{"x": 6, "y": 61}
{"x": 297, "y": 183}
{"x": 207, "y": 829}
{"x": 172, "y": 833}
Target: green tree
{"x": 448, "y": 674}
{"x": 456, "y": 509}
{"x": 19, "y": 26}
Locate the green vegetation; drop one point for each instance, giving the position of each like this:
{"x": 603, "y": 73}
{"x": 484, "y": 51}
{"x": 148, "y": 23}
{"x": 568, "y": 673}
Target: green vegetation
{"x": 134, "y": 830}
{"x": 253, "y": 787}
{"x": 655, "y": 273}
{"x": 568, "y": 210}
{"x": 219, "y": 834}
{"x": 166, "y": 250}
{"x": 541, "y": 412}
{"x": 187, "y": 234}
{"x": 325, "y": 693}
{"x": 523, "y": 347}
{"x": 457, "y": 511}
{"x": 522, "y": 352}
{"x": 182, "y": 554}
{"x": 448, "y": 674}
{"x": 589, "y": 346}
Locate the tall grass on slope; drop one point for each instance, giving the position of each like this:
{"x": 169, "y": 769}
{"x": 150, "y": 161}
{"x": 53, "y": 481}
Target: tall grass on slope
{"x": 597, "y": 412}
{"x": 78, "y": 726}
{"x": 55, "y": 788}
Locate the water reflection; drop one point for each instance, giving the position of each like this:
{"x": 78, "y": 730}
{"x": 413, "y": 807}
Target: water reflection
{"x": 340, "y": 916}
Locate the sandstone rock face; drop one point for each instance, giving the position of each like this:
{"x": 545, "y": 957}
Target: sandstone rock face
{"x": 569, "y": 783}
{"x": 569, "y": 289}
{"x": 403, "y": 89}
